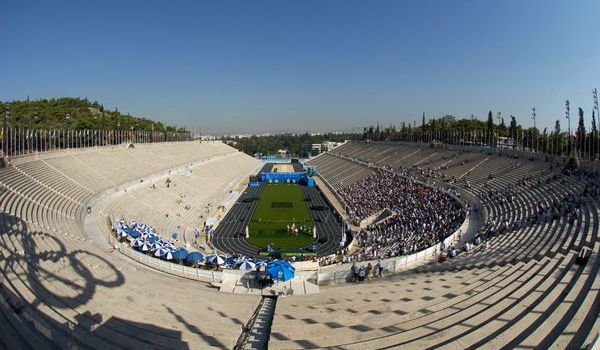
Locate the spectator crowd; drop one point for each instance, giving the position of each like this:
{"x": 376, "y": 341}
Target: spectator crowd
{"x": 418, "y": 216}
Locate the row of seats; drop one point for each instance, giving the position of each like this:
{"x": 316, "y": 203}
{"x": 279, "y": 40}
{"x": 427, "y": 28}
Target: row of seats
{"x": 190, "y": 197}
{"x": 60, "y": 290}
{"x": 522, "y": 289}
{"x": 339, "y": 172}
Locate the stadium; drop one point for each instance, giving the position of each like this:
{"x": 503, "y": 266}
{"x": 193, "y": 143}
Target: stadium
{"x": 299, "y": 175}
{"x": 477, "y": 246}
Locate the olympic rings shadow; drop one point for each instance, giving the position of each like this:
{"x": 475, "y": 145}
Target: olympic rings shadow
{"x": 41, "y": 265}
{"x": 41, "y": 257}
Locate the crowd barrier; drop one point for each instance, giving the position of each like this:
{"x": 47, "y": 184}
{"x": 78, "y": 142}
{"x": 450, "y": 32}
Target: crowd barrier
{"x": 393, "y": 265}
{"x": 171, "y": 268}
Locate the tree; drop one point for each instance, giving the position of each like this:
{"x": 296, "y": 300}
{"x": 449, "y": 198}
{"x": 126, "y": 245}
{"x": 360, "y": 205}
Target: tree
{"x": 513, "y": 130}
{"x": 423, "y": 122}
{"x": 557, "y": 137}
{"x": 594, "y": 135}
{"x": 580, "y": 132}
{"x": 490, "y": 128}
{"x": 50, "y": 114}
{"x": 502, "y": 128}
{"x": 295, "y": 144}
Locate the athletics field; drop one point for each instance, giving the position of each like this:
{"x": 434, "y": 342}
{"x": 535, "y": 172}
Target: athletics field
{"x": 281, "y": 205}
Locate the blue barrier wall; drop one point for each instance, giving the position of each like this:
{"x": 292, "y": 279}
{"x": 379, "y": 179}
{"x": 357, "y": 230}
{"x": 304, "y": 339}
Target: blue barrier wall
{"x": 281, "y": 177}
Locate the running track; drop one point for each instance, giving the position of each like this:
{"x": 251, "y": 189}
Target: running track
{"x": 229, "y": 237}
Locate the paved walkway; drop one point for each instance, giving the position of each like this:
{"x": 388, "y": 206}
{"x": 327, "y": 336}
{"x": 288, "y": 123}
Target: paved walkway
{"x": 239, "y": 282}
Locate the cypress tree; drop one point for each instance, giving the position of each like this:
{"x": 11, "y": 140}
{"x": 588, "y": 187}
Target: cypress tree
{"x": 557, "y": 137}
{"x": 581, "y": 132}
{"x": 490, "y": 128}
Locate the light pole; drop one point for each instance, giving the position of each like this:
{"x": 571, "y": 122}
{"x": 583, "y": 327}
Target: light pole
{"x": 5, "y": 129}
{"x": 534, "y": 128}
{"x": 102, "y": 133}
{"x": 28, "y": 134}
{"x": 595, "y": 96}
{"x": 512, "y": 133}
{"x": 29, "y": 120}
{"x": 94, "y": 130}
{"x": 568, "y": 108}
{"x": 67, "y": 117}
{"x": 499, "y": 117}
{"x": 595, "y": 132}
{"x": 36, "y": 143}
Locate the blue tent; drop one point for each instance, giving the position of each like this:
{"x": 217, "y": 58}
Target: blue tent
{"x": 154, "y": 246}
{"x": 145, "y": 247}
{"x": 281, "y": 270}
{"x": 132, "y": 233}
{"x": 195, "y": 257}
{"x": 229, "y": 261}
{"x": 214, "y": 259}
{"x": 160, "y": 252}
{"x": 137, "y": 243}
{"x": 247, "y": 265}
{"x": 284, "y": 263}
{"x": 180, "y": 254}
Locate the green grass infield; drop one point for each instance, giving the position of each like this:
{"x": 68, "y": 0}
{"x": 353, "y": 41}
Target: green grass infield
{"x": 280, "y": 206}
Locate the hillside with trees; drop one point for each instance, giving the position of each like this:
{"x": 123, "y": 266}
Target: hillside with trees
{"x": 471, "y": 131}
{"x": 73, "y": 113}
{"x": 293, "y": 143}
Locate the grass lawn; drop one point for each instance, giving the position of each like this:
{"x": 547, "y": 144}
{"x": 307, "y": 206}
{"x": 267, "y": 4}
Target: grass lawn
{"x": 278, "y": 206}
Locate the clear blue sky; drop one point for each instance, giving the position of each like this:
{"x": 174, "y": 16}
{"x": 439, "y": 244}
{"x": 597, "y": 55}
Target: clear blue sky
{"x": 249, "y": 66}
